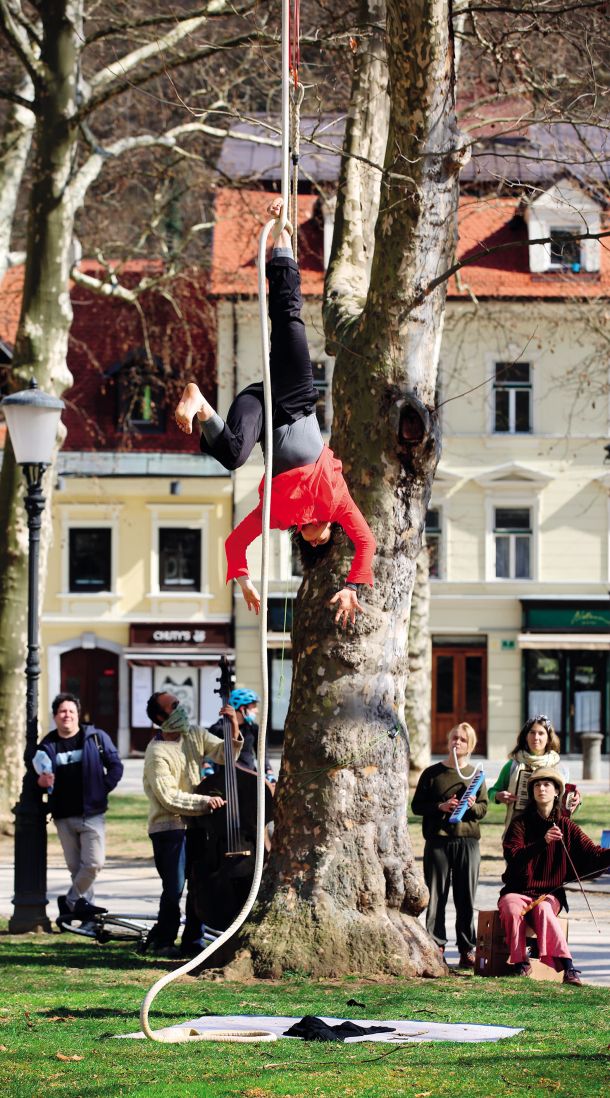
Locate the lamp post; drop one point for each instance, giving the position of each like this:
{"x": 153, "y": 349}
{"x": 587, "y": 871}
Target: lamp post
{"x": 32, "y": 418}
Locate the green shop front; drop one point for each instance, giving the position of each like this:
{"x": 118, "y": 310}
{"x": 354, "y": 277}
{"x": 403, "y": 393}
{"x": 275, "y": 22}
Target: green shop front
{"x": 565, "y": 645}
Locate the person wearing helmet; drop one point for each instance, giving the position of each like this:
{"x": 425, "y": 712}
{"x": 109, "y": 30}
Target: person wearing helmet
{"x": 245, "y": 703}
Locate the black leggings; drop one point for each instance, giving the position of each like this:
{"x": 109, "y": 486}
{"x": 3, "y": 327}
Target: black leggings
{"x": 293, "y": 392}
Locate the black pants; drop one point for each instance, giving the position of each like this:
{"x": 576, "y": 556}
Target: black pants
{"x": 293, "y": 392}
{"x": 456, "y": 862}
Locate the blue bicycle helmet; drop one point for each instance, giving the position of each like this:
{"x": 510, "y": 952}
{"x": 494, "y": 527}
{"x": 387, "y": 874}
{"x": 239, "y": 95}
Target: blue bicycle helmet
{"x": 237, "y": 698}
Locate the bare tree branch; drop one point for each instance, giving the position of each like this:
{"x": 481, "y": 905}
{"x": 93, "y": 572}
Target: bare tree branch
{"x": 469, "y": 260}
{"x": 12, "y": 24}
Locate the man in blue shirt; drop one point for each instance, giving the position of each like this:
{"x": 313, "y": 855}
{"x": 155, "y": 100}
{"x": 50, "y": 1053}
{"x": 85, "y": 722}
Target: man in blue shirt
{"x": 84, "y": 767}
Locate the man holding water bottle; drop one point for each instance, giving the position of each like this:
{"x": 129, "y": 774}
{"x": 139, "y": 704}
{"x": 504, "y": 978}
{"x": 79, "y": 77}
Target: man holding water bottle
{"x": 78, "y": 765}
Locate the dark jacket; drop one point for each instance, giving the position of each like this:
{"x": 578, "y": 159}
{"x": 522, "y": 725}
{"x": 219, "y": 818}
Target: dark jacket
{"x": 438, "y": 783}
{"x": 102, "y": 768}
{"x": 534, "y": 867}
{"x": 250, "y": 748}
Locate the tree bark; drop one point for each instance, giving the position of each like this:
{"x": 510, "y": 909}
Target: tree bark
{"x": 342, "y": 889}
{"x": 14, "y": 151}
{"x": 418, "y": 697}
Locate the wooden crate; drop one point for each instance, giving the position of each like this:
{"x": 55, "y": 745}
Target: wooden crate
{"x": 491, "y": 958}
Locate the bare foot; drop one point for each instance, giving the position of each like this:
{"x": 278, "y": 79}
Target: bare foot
{"x": 192, "y": 403}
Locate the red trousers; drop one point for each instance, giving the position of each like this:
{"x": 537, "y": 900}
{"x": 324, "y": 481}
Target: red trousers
{"x": 543, "y": 918}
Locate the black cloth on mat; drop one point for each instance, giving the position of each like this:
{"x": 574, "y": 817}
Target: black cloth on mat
{"x": 314, "y": 1029}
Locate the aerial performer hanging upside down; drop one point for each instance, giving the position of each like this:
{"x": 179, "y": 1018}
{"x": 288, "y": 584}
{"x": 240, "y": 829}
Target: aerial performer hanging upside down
{"x": 308, "y": 489}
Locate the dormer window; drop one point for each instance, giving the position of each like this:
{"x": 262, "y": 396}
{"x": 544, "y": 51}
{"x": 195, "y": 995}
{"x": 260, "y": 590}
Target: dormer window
{"x": 562, "y": 217}
{"x": 565, "y": 250}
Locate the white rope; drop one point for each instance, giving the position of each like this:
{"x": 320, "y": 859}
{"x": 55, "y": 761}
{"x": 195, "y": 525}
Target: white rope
{"x": 186, "y": 1033}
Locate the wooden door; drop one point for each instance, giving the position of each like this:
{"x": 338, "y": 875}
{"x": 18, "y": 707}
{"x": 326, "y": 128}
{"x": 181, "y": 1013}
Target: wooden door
{"x": 92, "y": 674}
{"x": 459, "y": 693}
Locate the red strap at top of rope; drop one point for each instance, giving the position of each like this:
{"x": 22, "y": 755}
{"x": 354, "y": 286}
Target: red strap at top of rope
{"x": 295, "y": 49}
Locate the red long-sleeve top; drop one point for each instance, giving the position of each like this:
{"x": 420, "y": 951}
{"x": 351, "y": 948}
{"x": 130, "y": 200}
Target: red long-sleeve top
{"x": 310, "y": 493}
{"x": 534, "y": 866}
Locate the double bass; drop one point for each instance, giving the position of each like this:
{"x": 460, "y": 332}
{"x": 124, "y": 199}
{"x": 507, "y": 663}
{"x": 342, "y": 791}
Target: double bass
{"x": 223, "y": 844}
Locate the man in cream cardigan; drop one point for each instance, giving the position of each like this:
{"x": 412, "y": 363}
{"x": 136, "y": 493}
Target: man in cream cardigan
{"x": 172, "y": 770}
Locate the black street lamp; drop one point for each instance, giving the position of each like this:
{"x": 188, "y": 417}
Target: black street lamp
{"x": 32, "y": 418}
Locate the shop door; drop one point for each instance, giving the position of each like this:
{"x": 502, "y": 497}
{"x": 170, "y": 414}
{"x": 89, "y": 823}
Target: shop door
{"x": 459, "y": 693}
{"x": 92, "y": 674}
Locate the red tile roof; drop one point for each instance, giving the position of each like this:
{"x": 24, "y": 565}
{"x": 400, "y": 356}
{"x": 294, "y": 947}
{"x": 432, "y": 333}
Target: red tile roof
{"x": 484, "y": 223}
{"x": 240, "y": 216}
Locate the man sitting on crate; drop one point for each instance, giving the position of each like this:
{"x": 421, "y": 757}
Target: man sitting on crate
{"x": 542, "y": 849}
{"x": 172, "y": 770}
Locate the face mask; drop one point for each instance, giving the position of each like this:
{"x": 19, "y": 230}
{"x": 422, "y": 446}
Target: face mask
{"x": 249, "y": 719}
{"x": 178, "y": 721}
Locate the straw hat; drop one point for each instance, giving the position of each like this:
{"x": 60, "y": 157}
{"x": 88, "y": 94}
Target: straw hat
{"x": 545, "y": 773}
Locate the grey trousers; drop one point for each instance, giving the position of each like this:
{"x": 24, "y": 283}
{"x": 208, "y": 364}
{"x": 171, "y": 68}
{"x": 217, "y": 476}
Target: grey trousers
{"x": 453, "y": 862}
{"x": 83, "y": 842}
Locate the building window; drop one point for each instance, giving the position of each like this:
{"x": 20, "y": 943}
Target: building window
{"x": 512, "y": 398}
{"x": 322, "y": 381}
{"x": 90, "y": 559}
{"x": 433, "y": 542}
{"x": 280, "y": 675}
{"x": 513, "y": 542}
{"x": 179, "y": 559}
{"x": 140, "y": 392}
{"x": 564, "y": 250}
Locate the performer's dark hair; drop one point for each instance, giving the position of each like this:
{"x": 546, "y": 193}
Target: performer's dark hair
{"x": 57, "y": 701}
{"x": 154, "y": 711}
{"x": 312, "y": 554}
{"x": 552, "y": 739}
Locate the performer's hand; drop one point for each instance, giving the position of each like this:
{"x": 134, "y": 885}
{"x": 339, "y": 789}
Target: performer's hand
{"x": 251, "y": 595}
{"x": 553, "y": 835}
{"x": 347, "y": 604}
{"x": 471, "y": 801}
{"x": 505, "y": 797}
{"x": 448, "y": 806}
{"x": 215, "y": 802}
{"x": 45, "y": 781}
{"x": 228, "y": 711}
{"x": 575, "y": 801}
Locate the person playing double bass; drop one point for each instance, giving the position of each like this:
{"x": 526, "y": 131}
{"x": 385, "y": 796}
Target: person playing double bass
{"x": 171, "y": 774}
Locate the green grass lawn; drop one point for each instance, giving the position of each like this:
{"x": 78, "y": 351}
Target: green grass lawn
{"x": 63, "y": 998}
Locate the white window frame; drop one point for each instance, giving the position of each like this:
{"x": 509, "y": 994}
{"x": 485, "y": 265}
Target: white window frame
{"x": 435, "y": 506}
{"x": 179, "y": 517}
{"x": 494, "y": 500}
{"x": 511, "y": 353}
{"x": 573, "y": 230}
{"x": 76, "y": 517}
{"x": 328, "y": 363}
{"x": 512, "y": 401}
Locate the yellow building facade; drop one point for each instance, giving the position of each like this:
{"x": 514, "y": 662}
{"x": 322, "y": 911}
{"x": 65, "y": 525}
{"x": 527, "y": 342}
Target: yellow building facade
{"x": 135, "y": 595}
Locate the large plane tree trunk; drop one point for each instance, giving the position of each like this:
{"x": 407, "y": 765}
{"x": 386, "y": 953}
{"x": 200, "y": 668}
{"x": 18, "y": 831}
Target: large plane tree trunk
{"x": 342, "y": 891}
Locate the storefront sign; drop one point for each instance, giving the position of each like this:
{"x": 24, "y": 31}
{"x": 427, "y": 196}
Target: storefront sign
{"x": 558, "y": 617}
{"x": 179, "y": 635}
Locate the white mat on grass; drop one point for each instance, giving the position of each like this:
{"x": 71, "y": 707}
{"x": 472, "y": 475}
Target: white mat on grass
{"x": 404, "y": 1030}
